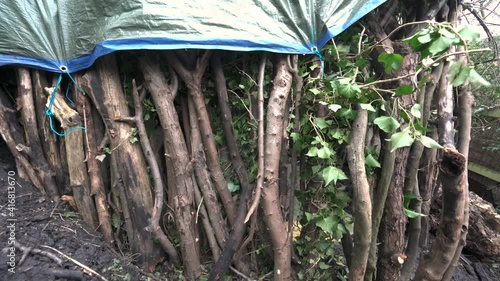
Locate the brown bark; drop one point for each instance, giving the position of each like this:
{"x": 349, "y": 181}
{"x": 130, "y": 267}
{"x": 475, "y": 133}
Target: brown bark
{"x": 105, "y": 89}
{"x": 47, "y": 137}
{"x": 203, "y": 179}
{"x": 238, "y": 230}
{"x": 5, "y": 131}
{"x": 97, "y": 189}
{"x": 154, "y": 221}
{"x": 379, "y": 203}
{"x": 28, "y": 115}
{"x": 78, "y": 177}
{"x": 465, "y": 121}
{"x": 361, "y": 197}
{"x": 191, "y": 74}
{"x": 426, "y": 96}
{"x": 452, "y": 176}
{"x": 270, "y": 194}
{"x": 163, "y": 98}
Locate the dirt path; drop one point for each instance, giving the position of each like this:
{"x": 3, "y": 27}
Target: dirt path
{"x": 30, "y": 223}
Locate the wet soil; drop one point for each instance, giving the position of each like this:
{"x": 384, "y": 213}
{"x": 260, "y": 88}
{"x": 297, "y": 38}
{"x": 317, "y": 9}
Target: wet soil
{"x": 31, "y": 228}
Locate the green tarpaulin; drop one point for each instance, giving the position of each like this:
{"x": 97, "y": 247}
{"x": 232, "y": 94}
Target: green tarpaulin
{"x": 50, "y": 34}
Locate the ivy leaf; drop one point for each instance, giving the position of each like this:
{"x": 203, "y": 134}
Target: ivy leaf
{"x": 429, "y": 142}
{"x": 477, "y": 79}
{"x": 440, "y": 45}
{"x": 387, "y": 123}
{"x": 313, "y": 152}
{"x": 391, "y": 61}
{"x": 334, "y": 174}
{"x": 403, "y": 90}
{"x": 401, "y": 139}
{"x": 370, "y": 161}
{"x": 349, "y": 90}
{"x": 412, "y": 214}
{"x": 232, "y": 186}
{"x": 461, "y": 76}
{"x": 327, "y": 224}
{"x": 315, "y": 91}
{"x": 324, "y": 152}
{"x": 100, "y": 157}
{"x": 367, "y": 106}
{"x": 415, "y": 111}
{"x": 420, "y": 128}
{"x": 321, "y": 123}
{"x": 334, "y": 107}
{"x": 468, "y": 34}
{"x": 454, "y": 70}
{"x": 347, "y": 113}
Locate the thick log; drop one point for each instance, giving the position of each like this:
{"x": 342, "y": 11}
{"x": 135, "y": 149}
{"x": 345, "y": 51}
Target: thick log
{"x": 78, "y": 176}
{"x": 28, "y": 115}
{"x": 105, "y": 90}
{"x": 163, "y": 96}
{"x": 47, "y": 137}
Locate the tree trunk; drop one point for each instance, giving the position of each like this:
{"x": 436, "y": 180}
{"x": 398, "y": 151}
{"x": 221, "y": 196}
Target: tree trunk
{"x": 163, "y": 96}
{"x": 28, "y": 115}
{"x": 191, "y": 75}
{"x": 362, "y": 203}
{"x": 97, "y": 189}
{"x": 48, "y": 138}
{"x": 270, "y": 194}
{"x": 107, "y": 95}
{"x": 78, "y": 177}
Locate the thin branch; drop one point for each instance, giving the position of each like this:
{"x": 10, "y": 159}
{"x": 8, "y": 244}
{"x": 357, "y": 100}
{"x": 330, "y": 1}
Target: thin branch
{"x": 87, "y": 269}
{"x": 260, "y": 174}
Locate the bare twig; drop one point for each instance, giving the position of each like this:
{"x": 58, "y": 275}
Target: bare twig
{"x": 87, "y": 269}
{"x": 260, "y": 174}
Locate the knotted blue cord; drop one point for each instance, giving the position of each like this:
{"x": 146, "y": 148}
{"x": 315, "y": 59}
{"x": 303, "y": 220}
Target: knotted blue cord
{"x": 49, "y": 111}
{"x": 316, "y": 51}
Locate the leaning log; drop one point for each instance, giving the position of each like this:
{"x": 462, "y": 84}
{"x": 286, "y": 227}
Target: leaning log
{"x": 78, "y": 176}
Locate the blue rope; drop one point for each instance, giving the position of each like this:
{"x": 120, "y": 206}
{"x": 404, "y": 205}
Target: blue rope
{"x": 316, "y": 51}
{"x": 49, "y": 111}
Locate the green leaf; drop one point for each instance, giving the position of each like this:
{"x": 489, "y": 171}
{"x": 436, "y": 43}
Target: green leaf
{"x": 323, "y": 266}
{"x": 401, "y": 139}
{"x": 429, "y": 142}
{"x": 367, "y": 106}
{"x": 370, "y": 161}
{"x": 446, "y": 33}
{"x": 232, "y": 186}
{"x": 315, "y": 91}
{"x": 334, "y": 107}
{"x": 321, "y": 123}
{"x": 454, "y": 70}
{"x": 415, "y": 111}
{"x": 412, "y": 214}
{"x": 424, "y": 39}
{"x": 334, "y": 174}
{"x": 420, "y": 128}
{"x": 327, "y": 224}
{"x": 477, "y": 79}
{"x": 324, "y": 152}
{"x": 349, "y": 90}
{"x": 468, "y": 34}
{"x": 391, "y": 61}
{"x": 387, "y": 123}
{"x": 313, "y": 152}
{"x": 403, "y": 90}
{"x": 440, "y": 45}
{"x": 462, "y": 75}
{"x": 115, "y": 221}
{"x": 347, "y": 113}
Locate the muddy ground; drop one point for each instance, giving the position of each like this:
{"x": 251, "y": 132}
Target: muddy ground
{"x": 38, "y": 229}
